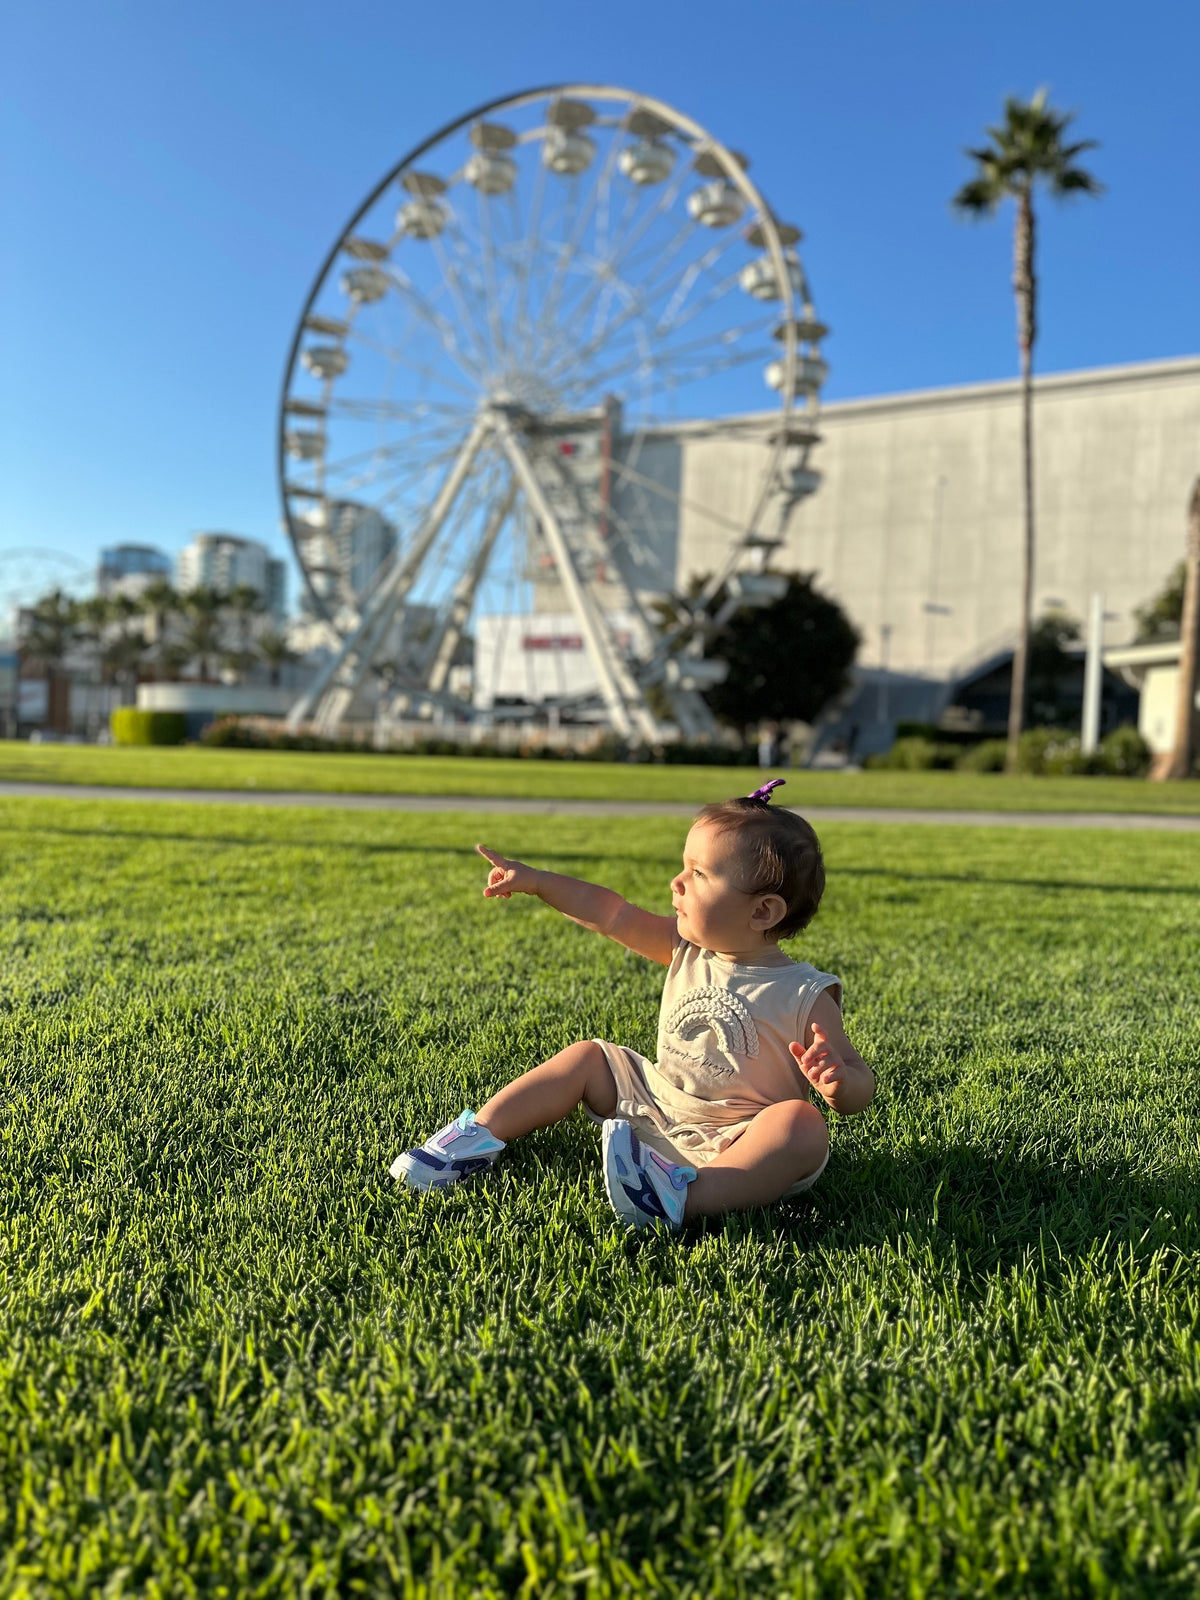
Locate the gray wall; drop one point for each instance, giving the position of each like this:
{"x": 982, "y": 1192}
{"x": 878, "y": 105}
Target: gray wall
{"x": 920, "y": 503}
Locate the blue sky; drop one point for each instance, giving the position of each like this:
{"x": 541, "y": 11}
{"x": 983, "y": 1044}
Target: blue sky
{"x": 174, "y": 175}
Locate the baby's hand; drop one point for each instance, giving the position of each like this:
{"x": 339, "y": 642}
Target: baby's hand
{"x": 507, "y": 877}
{"x": 821, "y": 1064}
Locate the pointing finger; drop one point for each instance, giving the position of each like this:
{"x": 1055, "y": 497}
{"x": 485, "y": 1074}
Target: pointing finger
{"x": 489, "y": 855}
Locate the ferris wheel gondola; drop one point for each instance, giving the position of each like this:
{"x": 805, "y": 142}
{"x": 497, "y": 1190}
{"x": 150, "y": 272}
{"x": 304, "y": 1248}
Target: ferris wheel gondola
{"x": 480, "y": 375}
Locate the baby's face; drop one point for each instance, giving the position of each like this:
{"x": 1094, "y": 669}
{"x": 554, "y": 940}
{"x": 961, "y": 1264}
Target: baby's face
{"x": 713, "y": 906}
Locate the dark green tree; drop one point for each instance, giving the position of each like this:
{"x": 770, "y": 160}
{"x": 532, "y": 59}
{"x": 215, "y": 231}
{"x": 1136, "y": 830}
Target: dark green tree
{"x": 204, "y": 609}
{"x": 50, "y": 628}
{"x": 1161, "y": 617}
{"x": 161, "y": 603}
{"x": 1027, "y": 149}
{"x": 1049, "y": 663}
{"x": 274, "y": 649}
{"x": 787, "y": 661}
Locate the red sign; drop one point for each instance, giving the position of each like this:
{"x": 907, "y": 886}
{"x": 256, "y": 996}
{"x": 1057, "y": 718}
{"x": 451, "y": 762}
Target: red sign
{"x": 552, "y": 641}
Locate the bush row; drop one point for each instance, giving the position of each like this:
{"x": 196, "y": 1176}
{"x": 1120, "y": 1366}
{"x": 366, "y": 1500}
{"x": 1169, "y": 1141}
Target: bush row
{"x": 130, "y": 726}
{"x": 1041, "y": 752}
{"x": 234, "y": 733}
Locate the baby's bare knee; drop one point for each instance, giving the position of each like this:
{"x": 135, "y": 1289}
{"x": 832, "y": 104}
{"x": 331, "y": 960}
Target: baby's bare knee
{"x": 799, "y": 1123}
{"x": 599, "y": 1086}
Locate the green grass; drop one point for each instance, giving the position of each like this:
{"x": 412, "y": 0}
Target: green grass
{"x": 195, "y": 767}
{"x": 235, "y": 1359}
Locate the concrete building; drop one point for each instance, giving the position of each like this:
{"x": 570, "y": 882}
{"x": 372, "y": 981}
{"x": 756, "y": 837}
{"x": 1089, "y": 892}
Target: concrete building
{"x": 917, "y": 526}
{"x": 226, "y": 561}
{"x": 130, "y": 568}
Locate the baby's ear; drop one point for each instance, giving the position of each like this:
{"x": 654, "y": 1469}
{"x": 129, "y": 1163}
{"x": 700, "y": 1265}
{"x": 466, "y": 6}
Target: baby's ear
{"x": 769, "y": 912}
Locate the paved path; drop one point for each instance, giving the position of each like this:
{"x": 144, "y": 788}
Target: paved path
{"x": 594, "y": 808}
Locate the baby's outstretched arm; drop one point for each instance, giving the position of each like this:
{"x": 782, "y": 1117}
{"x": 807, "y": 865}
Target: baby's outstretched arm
{"x": 590, "y": 904}
{"x": 831, "y": 1063}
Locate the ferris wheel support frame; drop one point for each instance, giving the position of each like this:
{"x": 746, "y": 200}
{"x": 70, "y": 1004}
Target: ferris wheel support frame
{"x": 331, "y": 692}
{"x": 445, "y": 640}
{"x": 622, "y": 694}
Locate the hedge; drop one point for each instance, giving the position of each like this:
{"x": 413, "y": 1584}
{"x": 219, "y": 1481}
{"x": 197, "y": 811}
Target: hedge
{"x": 130, "y": 726}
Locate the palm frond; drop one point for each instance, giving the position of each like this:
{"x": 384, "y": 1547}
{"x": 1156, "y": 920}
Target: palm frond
{"x": 979, "y": 198}
{"x": 1075, "y": 181}
{"x": 1026, "y": 147}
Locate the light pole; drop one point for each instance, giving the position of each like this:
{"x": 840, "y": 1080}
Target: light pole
{"x": 931, "y": 607}
{"x": 885, "y": 641}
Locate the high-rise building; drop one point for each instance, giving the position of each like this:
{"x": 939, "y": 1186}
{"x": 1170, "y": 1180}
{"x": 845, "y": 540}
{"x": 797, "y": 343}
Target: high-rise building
{"x": 226, "y": 561}
{"x": 348, "y": 550}
{"x": 130, "y": 568}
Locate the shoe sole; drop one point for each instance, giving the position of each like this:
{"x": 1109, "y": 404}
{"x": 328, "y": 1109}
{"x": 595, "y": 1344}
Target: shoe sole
{"x": 617, "y": 1145}
{"x": 416, "y": 1175}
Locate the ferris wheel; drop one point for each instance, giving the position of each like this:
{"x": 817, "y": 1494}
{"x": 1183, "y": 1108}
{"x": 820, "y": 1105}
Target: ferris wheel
{"x": 481, "y": 383}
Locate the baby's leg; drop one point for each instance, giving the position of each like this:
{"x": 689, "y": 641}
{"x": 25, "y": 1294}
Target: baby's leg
{"x": 785, "y": 1142}
{"x": 551, "y": 1092}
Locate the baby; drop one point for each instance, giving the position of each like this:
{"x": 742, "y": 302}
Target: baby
{"x": 724, "y": 1118}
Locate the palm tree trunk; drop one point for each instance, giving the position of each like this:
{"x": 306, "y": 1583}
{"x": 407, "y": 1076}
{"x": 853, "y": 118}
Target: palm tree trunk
{"x": 1025, "y": 287}
{"x": 1179, "y": 763}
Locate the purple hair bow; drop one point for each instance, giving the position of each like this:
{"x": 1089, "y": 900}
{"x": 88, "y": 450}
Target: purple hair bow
{"x": 764, "y": 794}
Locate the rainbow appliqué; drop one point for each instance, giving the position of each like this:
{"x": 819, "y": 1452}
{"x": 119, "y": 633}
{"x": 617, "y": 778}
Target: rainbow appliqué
{"x": 725, "y": 1014}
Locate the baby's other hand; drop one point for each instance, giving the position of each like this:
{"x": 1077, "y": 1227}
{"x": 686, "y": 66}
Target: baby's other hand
{"x": 506, "y": 877}
{"x": 821, "y": 1064}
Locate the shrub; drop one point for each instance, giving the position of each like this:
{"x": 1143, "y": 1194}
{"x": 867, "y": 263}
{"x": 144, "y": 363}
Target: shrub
{"x": 1065, "y": 759}
{"x": 916, "y": 754}
{"x": 130, "y": 726}
{"x": 1041, "y": 750}
{"x": 988, "y": 756}
{"x": 1124, "y": 753}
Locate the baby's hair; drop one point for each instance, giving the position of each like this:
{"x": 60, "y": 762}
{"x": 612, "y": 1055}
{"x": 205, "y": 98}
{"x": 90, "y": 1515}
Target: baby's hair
{"x": 781, "y": 853}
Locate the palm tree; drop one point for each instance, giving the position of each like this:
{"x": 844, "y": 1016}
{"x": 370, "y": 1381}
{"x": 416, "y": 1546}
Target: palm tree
{"x": 203, "y": 633}
{"x": 276, "y": 652}
{"x": 160, "y": 603}
{"x": 50, "y": 628}
{"x": 92, "y": 617}
{"x": 245, "y": 603}
{"x": 1026, "y": 149}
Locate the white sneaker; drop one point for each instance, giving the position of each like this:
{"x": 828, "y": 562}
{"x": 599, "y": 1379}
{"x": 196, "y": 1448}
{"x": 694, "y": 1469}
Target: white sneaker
{"x": 643, "y": 1186}
{"x": 459, "y": 1150}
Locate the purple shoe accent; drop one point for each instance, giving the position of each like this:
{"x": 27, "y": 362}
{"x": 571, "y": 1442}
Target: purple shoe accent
{"x": 764, "y": 794}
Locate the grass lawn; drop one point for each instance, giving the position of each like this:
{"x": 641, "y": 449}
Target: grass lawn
{"x": 199, "y": 768}
{"x": 235, "y": 1359}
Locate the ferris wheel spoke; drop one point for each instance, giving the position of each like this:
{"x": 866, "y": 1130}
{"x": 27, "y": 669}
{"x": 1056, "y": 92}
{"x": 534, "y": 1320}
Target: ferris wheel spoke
{"x": 569, "y": 249}
{"x": 408, "y": 481}
{"x": 524, "y": 258}
{"x": 442, "y": 327}
{"x": 453, "y": 276}
{"x": 491, "y": 288}
{"x": 652, "y": 361}
{"x": 397, "y": 357}
{"x": 675, "y": 316}
{"x": 649, "y": 347}
{"x": 399, "y": 476}
{"x": 415, "y": 443}
{"x": 640, "y": 303}
{"x": 609, "y": 269}
{"x": 398, "y": 410}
